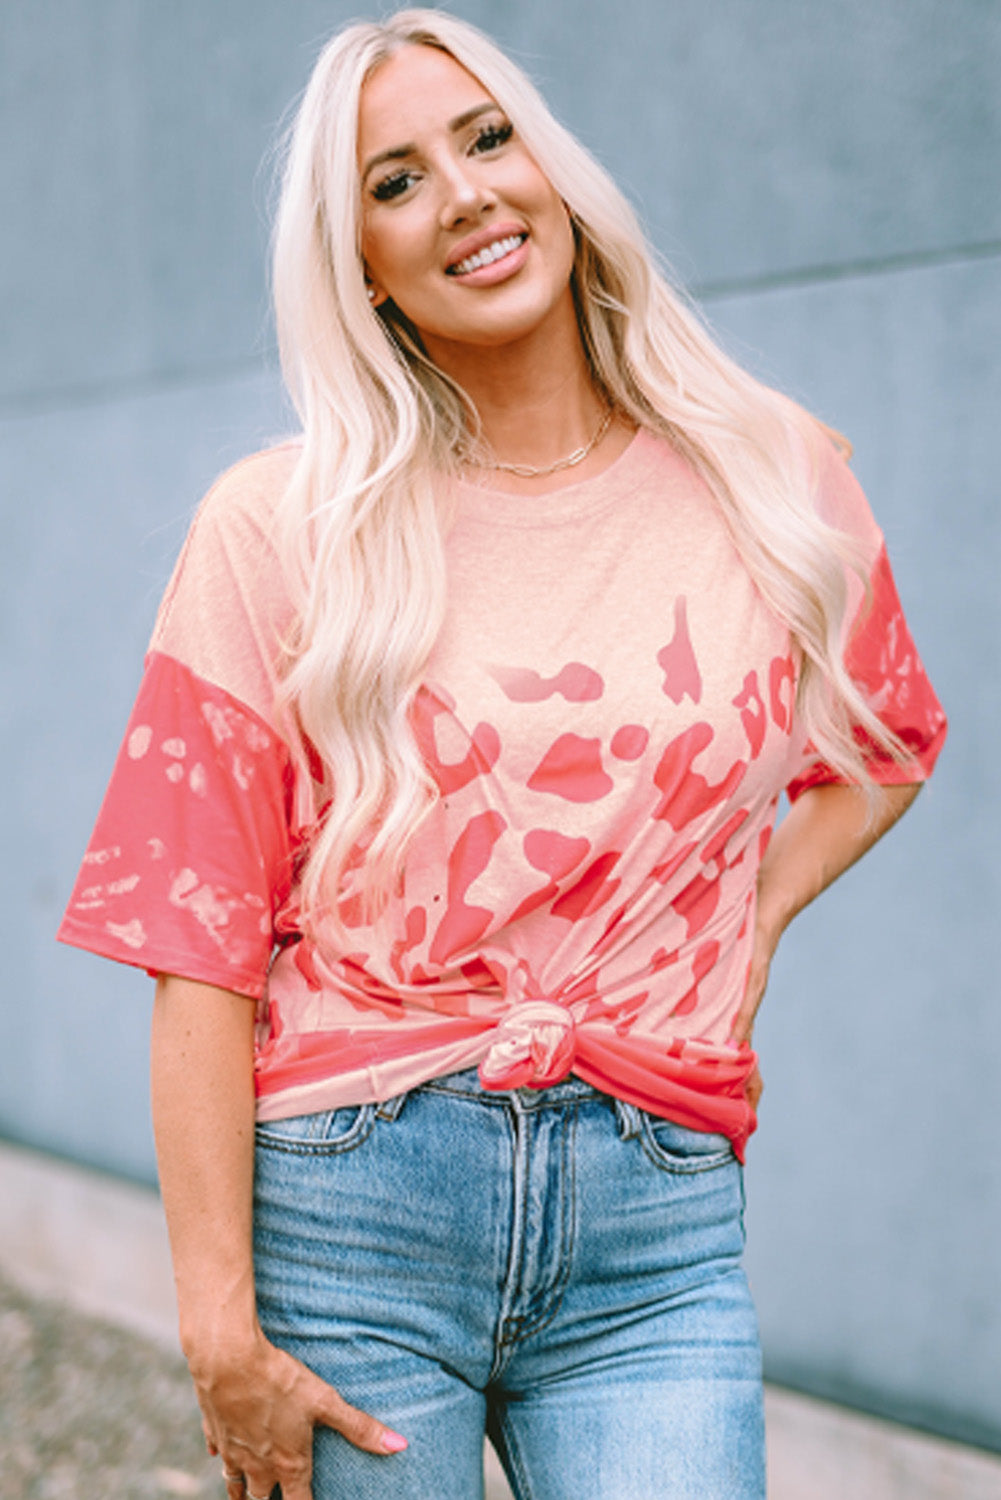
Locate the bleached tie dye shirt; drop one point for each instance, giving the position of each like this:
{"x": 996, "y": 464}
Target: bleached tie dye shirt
{"x": 609, "y": 715}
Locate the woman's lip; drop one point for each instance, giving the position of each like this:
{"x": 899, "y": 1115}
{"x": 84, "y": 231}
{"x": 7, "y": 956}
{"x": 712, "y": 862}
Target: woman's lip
{"x": 498, "y": 270}
{"x": 480, "y": 239}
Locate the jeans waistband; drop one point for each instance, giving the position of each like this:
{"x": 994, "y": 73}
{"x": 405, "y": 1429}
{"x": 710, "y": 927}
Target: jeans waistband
{"x": 468, "y": 1082}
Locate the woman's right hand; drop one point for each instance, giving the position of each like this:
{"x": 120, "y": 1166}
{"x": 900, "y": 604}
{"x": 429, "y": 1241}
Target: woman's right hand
{"x": 259, "y": 1407}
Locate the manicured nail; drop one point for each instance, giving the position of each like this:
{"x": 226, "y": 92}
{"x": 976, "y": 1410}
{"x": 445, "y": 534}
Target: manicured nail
{"x": 393, "y": 1442}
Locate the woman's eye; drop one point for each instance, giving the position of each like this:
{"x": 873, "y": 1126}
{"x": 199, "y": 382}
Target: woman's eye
{"x": 392, "y": 186}
{"x": 492, "y": 136}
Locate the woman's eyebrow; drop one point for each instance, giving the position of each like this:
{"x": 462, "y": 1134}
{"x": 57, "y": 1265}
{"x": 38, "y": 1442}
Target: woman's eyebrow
{"x": 471, "y": 114}
{"x": 399, "y": 153}
{"x": 395, "y": 153}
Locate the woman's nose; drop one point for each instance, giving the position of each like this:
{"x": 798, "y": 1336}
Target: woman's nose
{"x": 465, "y": 194}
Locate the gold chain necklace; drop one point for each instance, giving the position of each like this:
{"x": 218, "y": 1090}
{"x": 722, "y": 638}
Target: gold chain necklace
{"x": 526, "y": 471}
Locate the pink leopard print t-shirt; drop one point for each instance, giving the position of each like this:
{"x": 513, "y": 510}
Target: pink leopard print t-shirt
{"x": 609, "y": 716}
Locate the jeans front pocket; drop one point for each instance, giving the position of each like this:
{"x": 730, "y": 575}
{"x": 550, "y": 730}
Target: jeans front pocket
{"x": 326, "y": 1133}
{"x": 677, "y": 1148}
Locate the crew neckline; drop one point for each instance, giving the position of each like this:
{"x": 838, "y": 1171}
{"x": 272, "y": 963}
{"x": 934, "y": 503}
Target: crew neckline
{"x": 496, "y": 507}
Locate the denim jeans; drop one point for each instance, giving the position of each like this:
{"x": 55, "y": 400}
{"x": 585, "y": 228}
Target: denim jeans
{"x": 553, "y": 1267}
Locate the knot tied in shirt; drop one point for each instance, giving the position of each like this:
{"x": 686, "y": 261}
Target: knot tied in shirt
{"x": 532, "y": 1047}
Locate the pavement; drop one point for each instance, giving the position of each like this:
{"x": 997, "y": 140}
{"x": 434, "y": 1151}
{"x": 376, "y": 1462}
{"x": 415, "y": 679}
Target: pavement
{"x": 95, "y": 1401}
{"x": 89, "y": 1411}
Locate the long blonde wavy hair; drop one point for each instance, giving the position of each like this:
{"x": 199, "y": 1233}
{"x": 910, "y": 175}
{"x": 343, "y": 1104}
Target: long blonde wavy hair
{"x": 361, "y": 525}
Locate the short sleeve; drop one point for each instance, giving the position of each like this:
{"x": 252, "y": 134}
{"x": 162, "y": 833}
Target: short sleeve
{"x": 880, "y": 654}
{"x": 190, "y": 859}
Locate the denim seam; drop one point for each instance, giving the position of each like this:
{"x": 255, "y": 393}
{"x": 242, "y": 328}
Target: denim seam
{"x": 504, "y": 1346}
{"x": 554, "y": 1297}
{"x": 627, "y": 1119}
{"x": 313, "y": 1145}
{"x": 391, "y": 1108}
{"x": 516, "y": 1472}
{"x": 440, "y": 1086}
{"x": 682, "y": 1166}
{"x": 524, "y": 1328}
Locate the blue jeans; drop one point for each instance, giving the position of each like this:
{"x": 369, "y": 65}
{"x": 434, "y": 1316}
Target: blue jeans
{"x": 553, "y": 1267}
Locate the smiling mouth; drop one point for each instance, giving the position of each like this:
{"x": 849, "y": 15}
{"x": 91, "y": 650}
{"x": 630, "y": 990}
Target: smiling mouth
{"x": 487, "y": 255}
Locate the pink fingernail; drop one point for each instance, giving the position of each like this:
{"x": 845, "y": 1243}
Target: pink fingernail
{"x": 393, "y": 1442}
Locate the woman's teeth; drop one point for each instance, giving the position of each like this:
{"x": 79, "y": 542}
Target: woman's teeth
{"x": 487, "y": 255}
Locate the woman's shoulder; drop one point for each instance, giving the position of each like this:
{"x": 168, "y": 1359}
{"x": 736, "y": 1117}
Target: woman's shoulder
{"x": 840, "y": 500}
{"x": 228, "y": 582}
{"x": 822, "y": 473}
{"x": 251, "y": 489}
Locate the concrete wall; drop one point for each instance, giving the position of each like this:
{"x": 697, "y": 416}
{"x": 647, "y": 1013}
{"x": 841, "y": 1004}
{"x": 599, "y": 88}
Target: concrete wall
{"x": 827, "y": 176}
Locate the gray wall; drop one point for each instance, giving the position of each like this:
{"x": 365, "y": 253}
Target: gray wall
{"x": 827, "y": 176}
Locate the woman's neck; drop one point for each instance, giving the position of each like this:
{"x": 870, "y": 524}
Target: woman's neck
{"x": 536, "y": 402}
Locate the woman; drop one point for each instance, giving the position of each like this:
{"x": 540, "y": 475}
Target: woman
{"x": 459, "y": 750}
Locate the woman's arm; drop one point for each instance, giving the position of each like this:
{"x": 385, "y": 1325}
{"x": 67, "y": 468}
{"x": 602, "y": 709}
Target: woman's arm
{"x": 259, "y": 1405}
{"x": 826, "y": 830}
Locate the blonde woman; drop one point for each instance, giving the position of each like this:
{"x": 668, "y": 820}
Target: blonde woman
{"x": 445, "y": 812}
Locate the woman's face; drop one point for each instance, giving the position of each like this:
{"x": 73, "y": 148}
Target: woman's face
{"x": 460, "y": 228}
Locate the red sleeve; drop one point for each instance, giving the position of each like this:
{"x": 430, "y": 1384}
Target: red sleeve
{"x": 190, "y": 858}
{"x": 881, "y": 658}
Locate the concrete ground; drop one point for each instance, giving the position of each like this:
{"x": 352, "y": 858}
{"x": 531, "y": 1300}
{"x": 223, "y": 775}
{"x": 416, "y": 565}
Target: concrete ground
{"x": 91, "y": 1410}
{"x": 95, "y": 1401}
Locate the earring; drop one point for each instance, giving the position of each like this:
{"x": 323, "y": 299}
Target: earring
{"x": 371, "y": 293}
